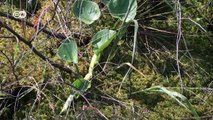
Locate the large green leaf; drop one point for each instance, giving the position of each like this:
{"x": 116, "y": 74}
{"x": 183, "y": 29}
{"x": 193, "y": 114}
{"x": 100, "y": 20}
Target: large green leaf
{"x": 87, "y": 11}
{"x": 68, "y": 50}
{"x": 102, "y": 39}
{"x": 125, "y": 10}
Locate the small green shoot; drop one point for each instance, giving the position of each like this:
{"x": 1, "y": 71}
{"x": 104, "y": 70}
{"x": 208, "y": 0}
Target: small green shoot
{"x": 79, "y": 85}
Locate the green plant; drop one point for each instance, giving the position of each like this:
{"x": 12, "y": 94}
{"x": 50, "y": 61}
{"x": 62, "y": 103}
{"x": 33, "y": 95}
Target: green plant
{"x": 68, "y": 49}
{"x": 124, "y": 11}
{"x": 155, "y": 62}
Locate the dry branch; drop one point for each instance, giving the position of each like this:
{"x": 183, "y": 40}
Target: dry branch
{"x": 29, "y": 44}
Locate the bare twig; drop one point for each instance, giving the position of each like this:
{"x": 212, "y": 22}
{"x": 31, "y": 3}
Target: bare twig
{"x": 11, "y": 64}
{"x": 179, "y": 35}
{"x": 28, "y": 43}
{"x": 57, "y": 35}
{"x": 7, "y": 37}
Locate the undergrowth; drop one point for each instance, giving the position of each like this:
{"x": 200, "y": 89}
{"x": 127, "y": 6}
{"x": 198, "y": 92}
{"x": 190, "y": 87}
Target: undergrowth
{"x": 34, "y": 89}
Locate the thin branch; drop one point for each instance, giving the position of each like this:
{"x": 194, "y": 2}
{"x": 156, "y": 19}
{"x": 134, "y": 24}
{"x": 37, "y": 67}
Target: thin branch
{"x": 11, "y": 64}
{"x": 28, "y": 43}
{"x": 7, "y": 37}
{"x": 179, "y": 35}
{"x": 57, "y": 35}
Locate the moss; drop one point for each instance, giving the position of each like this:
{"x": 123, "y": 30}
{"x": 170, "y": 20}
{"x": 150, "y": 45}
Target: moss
{"x": 155, "y": 61}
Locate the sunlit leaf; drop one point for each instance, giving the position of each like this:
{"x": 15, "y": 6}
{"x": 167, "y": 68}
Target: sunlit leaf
{"x": 102, "y": 39}
{"x": 87, "y": 11}
{"x": 68, "y": 51}
{"x": 81, "y": 84}
{"x": 125, "y": 10}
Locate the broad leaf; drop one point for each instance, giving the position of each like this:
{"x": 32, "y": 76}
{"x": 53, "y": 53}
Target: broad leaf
{"x": 87, "y": 11}
{"x": 68, "y": 51}
{"x": 102, "y": 39}
{"x": 125, "y": 10}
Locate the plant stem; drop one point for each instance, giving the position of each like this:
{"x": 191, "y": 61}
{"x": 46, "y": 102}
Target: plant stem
{"x": 93, "y": 62}
{"x": 77, "y": 70}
